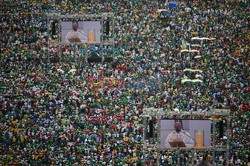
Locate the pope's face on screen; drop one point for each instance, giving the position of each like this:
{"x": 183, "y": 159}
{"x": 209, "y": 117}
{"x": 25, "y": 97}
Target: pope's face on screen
{"x": 75, "y": 25}
{"x": 177, "y": 127}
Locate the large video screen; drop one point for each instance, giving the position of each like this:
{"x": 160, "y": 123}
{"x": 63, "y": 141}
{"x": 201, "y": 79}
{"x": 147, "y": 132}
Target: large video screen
{"x": 185, "y": 133}
{"x": 80, "y": 31}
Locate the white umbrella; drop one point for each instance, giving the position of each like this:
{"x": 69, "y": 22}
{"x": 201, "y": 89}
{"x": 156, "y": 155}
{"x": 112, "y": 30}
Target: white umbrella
{"x": 72, "y": 70}
{"x": 60, "y": 70}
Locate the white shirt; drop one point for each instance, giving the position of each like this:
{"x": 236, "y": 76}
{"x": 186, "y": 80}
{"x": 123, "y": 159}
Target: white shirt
{"x": 76, "y": 34}
{"x": 182, "y": 135}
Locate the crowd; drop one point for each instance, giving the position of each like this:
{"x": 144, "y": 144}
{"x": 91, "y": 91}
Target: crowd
{"x": 49, "y": 116}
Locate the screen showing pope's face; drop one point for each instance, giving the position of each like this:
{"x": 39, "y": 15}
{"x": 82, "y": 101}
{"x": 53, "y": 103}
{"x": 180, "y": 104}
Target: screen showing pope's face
{"x": 177, "y": 127}
{"x": 80, "y": 31}
{"x": 75, "y": 26}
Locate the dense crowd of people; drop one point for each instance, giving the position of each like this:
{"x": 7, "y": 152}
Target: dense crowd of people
{"x": 48, "y": 114}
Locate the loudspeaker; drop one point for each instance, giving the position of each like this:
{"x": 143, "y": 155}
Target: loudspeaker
{"x": 54, "y": 59}
{"x": 108, "y": 59}
{"x": 107, "y": 28}
{"x": 94, "y": 58}
{"x": 53, "y": 28}
{"x": 221, "y": 129}
{"x": 151, "y": 128}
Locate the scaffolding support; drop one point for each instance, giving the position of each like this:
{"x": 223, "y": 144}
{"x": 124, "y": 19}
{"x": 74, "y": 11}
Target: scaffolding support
{"x": 213, "y": 152}
{"x": 228, "y": 140}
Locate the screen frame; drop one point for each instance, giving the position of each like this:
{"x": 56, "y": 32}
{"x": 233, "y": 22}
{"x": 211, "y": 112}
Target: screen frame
{"x": 107, "y": 40}
{"x": 159, "y": 146}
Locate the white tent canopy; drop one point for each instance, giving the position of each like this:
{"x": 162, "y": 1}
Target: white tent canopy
{"x": 198, "y": 56}
{"x": 193, "y": 70}
{"x": 161, "y": 10}
{"x": 185, "y": 50}
{"x": 195, "y": 45}
{"x": 72, "y": 71}
{"x": 189, "y": 80}
{"x": 202, "y": 38}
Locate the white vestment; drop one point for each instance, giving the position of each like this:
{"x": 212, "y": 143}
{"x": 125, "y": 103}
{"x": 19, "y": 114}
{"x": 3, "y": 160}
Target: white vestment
{"x": 182, "y": 135}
